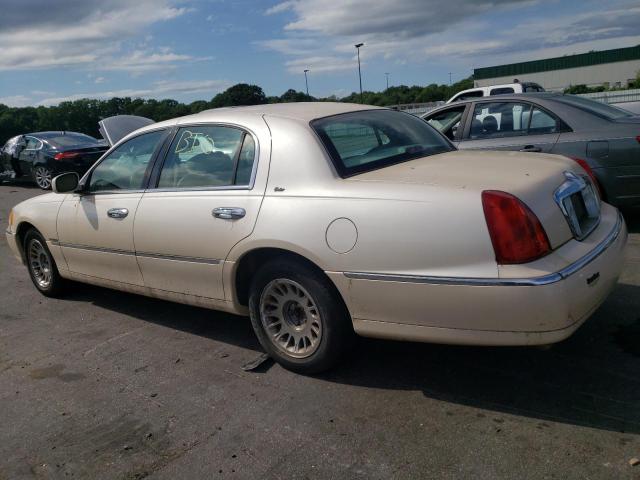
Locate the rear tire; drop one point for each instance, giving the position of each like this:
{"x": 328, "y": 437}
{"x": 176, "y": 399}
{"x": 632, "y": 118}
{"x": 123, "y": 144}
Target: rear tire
{"x": 42, "y": 176}
{"x": 299, "y": 317}
{"x": 41, "y": 265}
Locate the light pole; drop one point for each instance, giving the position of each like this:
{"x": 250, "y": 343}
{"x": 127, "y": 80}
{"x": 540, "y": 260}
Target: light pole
{"x": 387, "y": 74}
{"x": 358, "y": 45}
{"x": 306, "y": 82}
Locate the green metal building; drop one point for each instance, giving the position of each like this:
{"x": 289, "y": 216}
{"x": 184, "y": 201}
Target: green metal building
{"x": 614, "y": 68}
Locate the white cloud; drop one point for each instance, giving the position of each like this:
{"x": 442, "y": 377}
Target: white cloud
{"x": 16, "y": 101}
{"x": 75, "y": 32}
{"x": 463, "y": 32}
{"x": 99, "y": 80}
{"x": 160, "y": 89}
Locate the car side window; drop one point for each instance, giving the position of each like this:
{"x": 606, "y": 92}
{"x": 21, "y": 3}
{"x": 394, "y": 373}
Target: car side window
{"x": 208, "y": 156}
{"x": 124, "y": 168}
{"x": 542, "y": 122}
{"x": 33, "y": 143}
{"x": 501, "y": 91}
{"x": 447, "y": 121}
{"x": 499, "y": 119}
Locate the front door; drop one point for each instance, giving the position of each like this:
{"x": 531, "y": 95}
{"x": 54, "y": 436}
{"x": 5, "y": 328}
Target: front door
{"x": 95, "y": 227}
{"x": 205, "y": 202}
{"x": 511, "y": 126}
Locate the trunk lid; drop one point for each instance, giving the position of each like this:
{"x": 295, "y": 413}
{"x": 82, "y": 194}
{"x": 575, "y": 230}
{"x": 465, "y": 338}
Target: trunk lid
{"x": 533, "y": 178}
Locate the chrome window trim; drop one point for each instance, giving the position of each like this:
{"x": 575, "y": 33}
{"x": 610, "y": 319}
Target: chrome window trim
{"x": 254, "y": 170}
{"x": 500, "y": 282}
{"x": 181, "y": 258}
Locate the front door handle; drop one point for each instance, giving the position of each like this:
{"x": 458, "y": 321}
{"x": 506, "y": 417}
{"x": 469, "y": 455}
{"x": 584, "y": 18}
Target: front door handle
{"x": 530, "y": 148}
{"x": 118, "y": 212}
{"x": 229, "y": 213}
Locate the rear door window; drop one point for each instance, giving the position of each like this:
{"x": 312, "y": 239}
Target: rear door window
{"x": 499, "y": 119}
{"x": 208, "y": 156}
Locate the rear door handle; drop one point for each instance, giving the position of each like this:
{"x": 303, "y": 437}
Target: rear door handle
{"x": 118, "y": 212}
{"x": 229, "y": 213}
{"x": 530, "y": 148}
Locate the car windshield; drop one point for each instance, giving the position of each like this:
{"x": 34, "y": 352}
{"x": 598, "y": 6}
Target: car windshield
{"x": 358, "y": 142}
{"x": 71, "y": 139}
{"x": 597, "y": 108}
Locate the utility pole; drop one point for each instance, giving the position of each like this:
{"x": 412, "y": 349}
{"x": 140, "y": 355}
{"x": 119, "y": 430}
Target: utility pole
{"x": 449, "y": 78}
{"x": 387, "y": 74}
{"x": 358, "y": 45}
{"x": 306, "y": 82}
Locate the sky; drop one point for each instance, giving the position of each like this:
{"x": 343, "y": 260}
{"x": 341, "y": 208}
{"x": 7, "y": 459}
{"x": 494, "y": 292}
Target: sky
{"x": 57, "y": 50}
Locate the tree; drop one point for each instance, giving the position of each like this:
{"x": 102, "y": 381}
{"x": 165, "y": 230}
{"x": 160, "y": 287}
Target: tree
{"x": 239, "y": 94}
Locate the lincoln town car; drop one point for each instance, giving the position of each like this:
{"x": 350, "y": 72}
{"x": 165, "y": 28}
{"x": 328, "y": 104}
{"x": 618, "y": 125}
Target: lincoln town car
{"x": 323, "y": 221}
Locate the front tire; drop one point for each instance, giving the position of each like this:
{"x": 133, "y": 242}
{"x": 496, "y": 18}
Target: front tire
{"x": 299, "y": 317}
{"x": 42, "y": 176}
{"x": 41, "y": 265}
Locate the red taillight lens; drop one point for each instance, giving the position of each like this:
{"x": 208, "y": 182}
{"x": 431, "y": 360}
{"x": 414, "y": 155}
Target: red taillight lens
{"x": 638, "y": 139}
{"x": 65, "y": 155}
{"x": 585, "y": 166}
{"x": 516, "y": 233}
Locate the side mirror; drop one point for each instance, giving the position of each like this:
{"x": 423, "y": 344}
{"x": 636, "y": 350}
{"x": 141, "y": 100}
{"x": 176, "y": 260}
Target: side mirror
{"x": 65, "y": 183}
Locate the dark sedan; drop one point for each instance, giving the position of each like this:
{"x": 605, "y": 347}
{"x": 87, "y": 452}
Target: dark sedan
{"x": 43, "y": 155}
{"x": 604, "y": 139}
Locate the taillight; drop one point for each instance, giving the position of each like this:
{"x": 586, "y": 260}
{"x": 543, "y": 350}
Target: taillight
{"x": 587, "y": 168}
{"x": 516, "y": 233}
{"x": 65, "y": 155}
{"x": 638, "y": 139}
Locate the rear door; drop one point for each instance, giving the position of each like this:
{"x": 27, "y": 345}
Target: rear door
{"x": 204, "y": 199}
{"x": 511, "y": 125}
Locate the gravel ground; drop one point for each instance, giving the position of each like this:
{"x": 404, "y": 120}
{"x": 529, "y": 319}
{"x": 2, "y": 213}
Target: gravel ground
{"x": 103, "y": 384}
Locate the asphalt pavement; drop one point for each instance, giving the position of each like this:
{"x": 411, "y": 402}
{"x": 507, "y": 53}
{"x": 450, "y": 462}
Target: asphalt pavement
{"x": 104, "y": 384}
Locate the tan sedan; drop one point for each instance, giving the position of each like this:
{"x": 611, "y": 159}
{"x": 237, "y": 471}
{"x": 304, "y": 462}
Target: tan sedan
{"x": 320, "y": 220}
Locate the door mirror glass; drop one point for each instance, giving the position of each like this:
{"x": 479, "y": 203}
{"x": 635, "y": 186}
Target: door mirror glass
{"x": 67, "y": 182}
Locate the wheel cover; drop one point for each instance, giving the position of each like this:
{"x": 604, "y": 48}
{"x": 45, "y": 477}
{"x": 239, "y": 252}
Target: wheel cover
{"x": 290, "y": 318}
{"x": 43, "y": 177}
{"x": 40, "y": 264}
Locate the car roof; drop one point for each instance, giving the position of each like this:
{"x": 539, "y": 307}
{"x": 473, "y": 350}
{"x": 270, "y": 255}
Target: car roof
{"x": 299, "y": 111}
{"x": 55, "y": 133}
{"x": 535, "y": 96}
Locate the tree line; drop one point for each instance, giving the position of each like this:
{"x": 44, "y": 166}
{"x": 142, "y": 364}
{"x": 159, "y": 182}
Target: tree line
{"x": 83, "y": 115}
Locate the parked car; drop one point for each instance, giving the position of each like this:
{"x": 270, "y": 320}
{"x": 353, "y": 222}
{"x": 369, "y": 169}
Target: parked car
{"x": 324, "y": 219}
{"x": 603, "y": 139}
{"x": 508, "y": 88}
{"x": 43, "y": 155}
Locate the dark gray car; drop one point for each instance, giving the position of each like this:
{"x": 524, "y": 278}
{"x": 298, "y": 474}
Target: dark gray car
{"x": 602, "y": 138}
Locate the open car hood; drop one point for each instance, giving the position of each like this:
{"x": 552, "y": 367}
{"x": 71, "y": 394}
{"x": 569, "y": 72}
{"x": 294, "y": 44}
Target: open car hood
{"x": 113, "y": 129}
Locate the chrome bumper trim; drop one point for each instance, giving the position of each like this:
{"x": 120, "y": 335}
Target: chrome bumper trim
{"x": 493, "y": 282}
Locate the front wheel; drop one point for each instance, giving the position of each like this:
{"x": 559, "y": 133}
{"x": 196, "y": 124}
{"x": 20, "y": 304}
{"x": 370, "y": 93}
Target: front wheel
{"x": 42, "y": 266}
{"x": 42, "y": 177}
{"x": 299, "y": 317}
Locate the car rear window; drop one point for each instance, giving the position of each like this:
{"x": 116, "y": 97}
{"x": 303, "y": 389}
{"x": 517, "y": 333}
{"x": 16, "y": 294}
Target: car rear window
{"x": 71, "y": 139}
{"x": 597, "y": 108}
{"x": 359, "y": 142}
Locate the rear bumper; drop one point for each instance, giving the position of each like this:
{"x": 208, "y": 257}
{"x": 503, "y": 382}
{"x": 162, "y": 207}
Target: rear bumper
{"x": 535, "y": 310}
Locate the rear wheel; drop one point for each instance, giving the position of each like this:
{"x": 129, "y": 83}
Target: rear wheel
{"x": 42, "y": 177}
{"x": 41, "y": 265}
{"x": 299, "y": 318}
